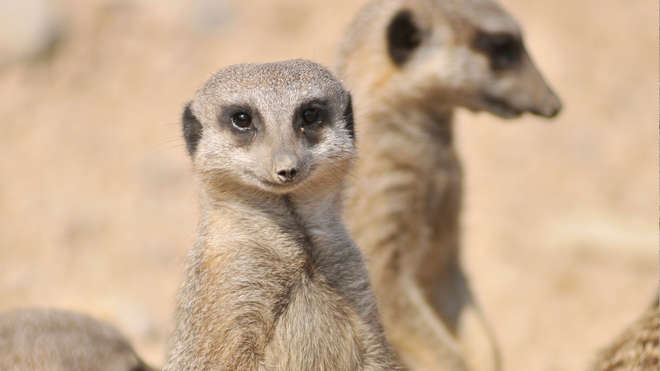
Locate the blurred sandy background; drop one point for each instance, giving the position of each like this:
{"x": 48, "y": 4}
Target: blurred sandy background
{"x": 98, "y": 206}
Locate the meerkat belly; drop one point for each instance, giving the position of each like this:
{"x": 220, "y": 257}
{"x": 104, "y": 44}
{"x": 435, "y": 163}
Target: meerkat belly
{"x": 317, "y": 331}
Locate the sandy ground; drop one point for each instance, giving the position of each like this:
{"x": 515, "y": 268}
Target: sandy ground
{"x": 98, "y": 206}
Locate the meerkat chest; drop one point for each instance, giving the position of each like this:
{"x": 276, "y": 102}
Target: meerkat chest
{"x": 328, "y": 310}
{"x": 318, "y": 331}
{"x": 444, "y": 180}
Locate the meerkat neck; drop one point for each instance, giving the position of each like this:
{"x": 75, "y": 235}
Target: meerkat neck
{"x": 299, "y": 210}
{"x": 413, "y": 164}
{"x": 304, "y": 200}
{"x": 432, "y": 125}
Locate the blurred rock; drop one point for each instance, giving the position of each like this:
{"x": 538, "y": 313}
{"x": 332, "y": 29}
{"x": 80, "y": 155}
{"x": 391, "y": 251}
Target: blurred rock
{"x": 28, "y": 29}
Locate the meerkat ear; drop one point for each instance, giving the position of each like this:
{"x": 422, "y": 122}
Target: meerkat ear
{"x": 348, "y": 116}
{"x": 192, "y": 129}
{"x": 403, "y": 36}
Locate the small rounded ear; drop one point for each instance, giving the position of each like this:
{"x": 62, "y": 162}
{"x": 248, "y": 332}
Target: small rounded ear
{"x": 192, "y": 129}
{"x": 403, "y": 37}
{"x": 348, "y": 116}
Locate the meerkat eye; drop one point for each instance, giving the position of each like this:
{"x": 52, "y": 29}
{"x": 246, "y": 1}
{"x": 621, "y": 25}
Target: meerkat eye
{"x": 403, "y": 37}
{"x": 310, "y": 115}
{"x": 503, "y": 50}
{"x": 506, "y": 54}
{"x": 241, "y": 120}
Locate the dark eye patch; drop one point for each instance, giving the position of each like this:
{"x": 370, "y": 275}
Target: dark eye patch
{"x": 192, "y": 129}
{"x": 311, "y": 115}
{"x": 348, "y": 117}
{"x": 403, "y": 37}
{"x": 504, "y": 50}
{"x": 241, "y": 120}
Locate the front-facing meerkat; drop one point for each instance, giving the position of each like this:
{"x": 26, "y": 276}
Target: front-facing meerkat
{"x": 274, "y": 282}
{"x": 409, "y": 64}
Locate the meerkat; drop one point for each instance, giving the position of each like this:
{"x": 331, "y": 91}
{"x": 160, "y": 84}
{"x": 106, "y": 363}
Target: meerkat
{"x": 409, "y": 64}
{"x": 635, "y": 349}
{"x": 57, "y": 340}
{"x": 274, "y": 281}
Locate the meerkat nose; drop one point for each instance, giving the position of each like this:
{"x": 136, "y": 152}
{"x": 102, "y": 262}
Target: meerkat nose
{"x": 285, "y": 166}
{"x": 287, "y": 175}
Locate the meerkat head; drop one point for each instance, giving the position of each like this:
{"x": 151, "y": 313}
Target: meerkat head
{"x": 467, "y": 53}
{"x": 273, "y": 127}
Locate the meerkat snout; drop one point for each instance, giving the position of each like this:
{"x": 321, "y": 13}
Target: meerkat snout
{"x": 287, "y": 175}
{"x": 285, "y": 167}
{"x": 550, "y": 107}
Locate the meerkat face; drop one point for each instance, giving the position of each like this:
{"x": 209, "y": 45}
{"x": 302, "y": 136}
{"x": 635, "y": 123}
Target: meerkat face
{"x": 471, "y": 51}
{"x": 275, "y": 127}
{"x": 466, "y": 53}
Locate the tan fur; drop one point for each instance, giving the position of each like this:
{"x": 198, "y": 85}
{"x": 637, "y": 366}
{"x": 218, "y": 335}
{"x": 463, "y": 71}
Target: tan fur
{"x": 274, "y": 282}
{"x": 636, "y": 349}
{"x": 55, "y": 340}
{"x": 404, "y": 200}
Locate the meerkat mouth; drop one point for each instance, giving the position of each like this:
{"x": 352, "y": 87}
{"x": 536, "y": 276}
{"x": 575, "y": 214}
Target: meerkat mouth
{"x": 273, "y": 186}
{"x": 500, "y": 107}
{"x": 276, "y": 187}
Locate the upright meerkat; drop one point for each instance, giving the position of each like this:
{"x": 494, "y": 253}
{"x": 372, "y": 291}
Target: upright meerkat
{"x": 56, "y": 340}
{"x": 274, "y": 282}
{"x": 636, "y": 349}
{"x": 409, "y": 64}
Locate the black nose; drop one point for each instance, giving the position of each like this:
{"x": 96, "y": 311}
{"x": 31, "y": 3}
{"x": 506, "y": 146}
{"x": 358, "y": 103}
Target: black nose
{"x": 554, "y": 112}
{"x": 549, "y": 113}
{"x": 287, "y": 175}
